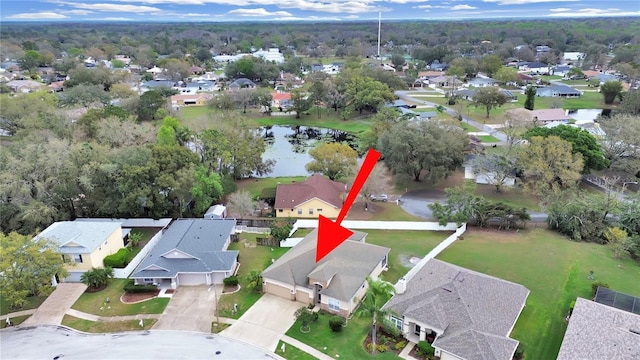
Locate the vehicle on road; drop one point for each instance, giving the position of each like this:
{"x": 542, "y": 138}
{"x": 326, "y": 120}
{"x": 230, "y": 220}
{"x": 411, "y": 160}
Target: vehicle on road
{"x": 379, "y": 197}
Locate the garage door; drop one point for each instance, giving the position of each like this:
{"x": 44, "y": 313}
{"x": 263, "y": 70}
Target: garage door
{"x": 192, "y": 279}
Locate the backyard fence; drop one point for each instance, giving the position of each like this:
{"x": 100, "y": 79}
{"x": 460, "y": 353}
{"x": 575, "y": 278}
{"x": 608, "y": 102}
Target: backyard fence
{"x": 127, "y": 270}
{"x": 380, "y": 225}
{"x": 268, "y": 241}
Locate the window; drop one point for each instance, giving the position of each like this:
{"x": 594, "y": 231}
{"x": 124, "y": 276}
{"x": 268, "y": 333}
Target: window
{"x": 280, "y": 210}
{"x": 66, "y": 258}
{"x": 319, "y": 210}
{"x": 384, "y": 261}
{"x": 396, "y": 322}
{"x": 334, "y": 304}
{"x": 148, "y": 280}
{"x": 77, "y": 258}
{"x": 299, "y": 211}
{"x": 310, "y": 211}
{"x": 417, "y": 330}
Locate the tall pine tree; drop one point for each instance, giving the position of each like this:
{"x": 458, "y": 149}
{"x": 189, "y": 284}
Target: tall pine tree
{"x": 531, "y": 97}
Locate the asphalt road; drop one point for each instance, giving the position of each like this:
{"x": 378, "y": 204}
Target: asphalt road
{"x": 60, "y": 343}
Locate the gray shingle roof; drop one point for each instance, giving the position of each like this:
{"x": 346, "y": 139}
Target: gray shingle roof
{"x": 598, "y": 331}
{"x": 79, "y": 237}
{"x": 190, "y": 245}
{"x": 475, "y": 311}
{"x": 347, "y": 266}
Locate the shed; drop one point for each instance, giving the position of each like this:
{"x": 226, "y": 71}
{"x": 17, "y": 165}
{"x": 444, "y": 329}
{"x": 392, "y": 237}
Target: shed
{"x": 216, "y": 212}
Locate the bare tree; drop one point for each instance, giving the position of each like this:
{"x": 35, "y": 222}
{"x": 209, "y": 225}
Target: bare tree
{"x": 241, "y": 203}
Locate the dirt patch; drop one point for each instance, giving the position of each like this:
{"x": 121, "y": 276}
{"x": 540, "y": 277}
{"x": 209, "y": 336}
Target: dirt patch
{"x": 170, "y": 291}
{"x": 95, "y": 290}
{"x": 128, "y": 298}
{"x": 230, "y": 289}
{"x": 409, "y": 260}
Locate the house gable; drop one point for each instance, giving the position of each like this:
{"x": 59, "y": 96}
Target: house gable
{"x": 177, "y": 254}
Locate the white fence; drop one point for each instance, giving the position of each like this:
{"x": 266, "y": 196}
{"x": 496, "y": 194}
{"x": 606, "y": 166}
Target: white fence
{"x": 380, "y": 225}
{"x": 124, "y": 273}
{"x": 252, "y": 229}
{"x": 401, "y": 284}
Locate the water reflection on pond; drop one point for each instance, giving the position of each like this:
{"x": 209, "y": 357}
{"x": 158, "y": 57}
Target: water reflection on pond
{"x": 586, "y": 115}
{"x": 289, "y": 146}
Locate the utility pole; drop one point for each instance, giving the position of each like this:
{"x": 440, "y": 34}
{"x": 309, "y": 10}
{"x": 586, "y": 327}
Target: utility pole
{"x": 379, "y": 25}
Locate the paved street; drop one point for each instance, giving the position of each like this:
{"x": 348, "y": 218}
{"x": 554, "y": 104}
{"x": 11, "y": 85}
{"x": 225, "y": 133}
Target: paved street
{"x": 52, "y": 342}
{"x": 265, "y": 322}
{"x": 53, "y": 309}
{"x": 190, "y": 308}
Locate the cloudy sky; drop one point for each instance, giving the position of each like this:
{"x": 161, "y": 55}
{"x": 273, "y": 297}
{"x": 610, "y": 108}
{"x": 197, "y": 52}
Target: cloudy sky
{"x": 281, "y": 10}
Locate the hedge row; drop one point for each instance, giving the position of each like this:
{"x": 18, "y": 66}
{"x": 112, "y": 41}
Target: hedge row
{"x": 131, "y": 288}
{"x": 119, "y": 260}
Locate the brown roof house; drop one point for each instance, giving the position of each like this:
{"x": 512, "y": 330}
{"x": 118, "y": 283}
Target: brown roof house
{"x": 310, "y": 198}
{"x": 336, "y": 284}
{"x": 463, "y": 313}
{"x": 537, "y": 117}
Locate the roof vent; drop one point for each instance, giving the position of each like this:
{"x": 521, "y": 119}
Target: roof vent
{"x": 637, "y": 332}
{"x": 447, "y": 288}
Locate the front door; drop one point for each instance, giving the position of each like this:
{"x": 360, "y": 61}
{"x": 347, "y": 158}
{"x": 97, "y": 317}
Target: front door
{"x": 417, "y": 330}
{"x": 318, "y": 287}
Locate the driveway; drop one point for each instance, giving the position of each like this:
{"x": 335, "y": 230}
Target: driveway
{"x": 416, "y": 202}
{"x": 265, "y": 322}
{"x": 191, "y": 308}
{"x": 56, "y": 305}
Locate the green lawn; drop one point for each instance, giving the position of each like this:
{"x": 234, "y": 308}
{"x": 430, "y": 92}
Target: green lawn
{"x": 32, "y": 302}
{"x": 106, "y": 326}
{"x": 255, "y": 185}
{"x": 515, "y": 196}
{"x": 292, "y": 353}
{"x": 467, "y": 127}
{"x": 553, "y": 268}
{"x": 17, "y": 320}
{"x": 250, "y": 258}
{"x": 383, "y": 211}
{"x": 347, "y": 344}
{"x": 404, "y": 245}
{"x": 93, "y": 302}
{"x": 488, "y": 139}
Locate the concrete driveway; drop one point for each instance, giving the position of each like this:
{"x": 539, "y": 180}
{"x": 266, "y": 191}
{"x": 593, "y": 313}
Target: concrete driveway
{"x": 416, "y": 202}
{"x": 191, "y": 308}
{"x": 56, "y": 305}
{"x": 265, "y": 322}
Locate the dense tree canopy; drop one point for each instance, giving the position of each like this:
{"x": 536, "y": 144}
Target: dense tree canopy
{"x": 334, "y": 160}
{"x": 489, "y": 98}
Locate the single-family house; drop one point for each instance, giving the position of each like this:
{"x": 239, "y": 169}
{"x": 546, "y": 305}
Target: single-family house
{"x": 281, "y": 99}
{"x": 487, "y": 175}
{"x": 317, "y": 195}
{"x": 242, "y": 83}
{"x": 337, "y": 283}
{"x": 605, "y": 77}
{"x": 560, "y": 70}
{"x": 599, "y": 331}
{"x": 482, "y": 82}
{"x": 270, "y": 55}
{"x": 558, "y": 91}
{"x": 84, "y": 244}
{"x": 190, "y": 100}
{"x": 190, "y": 252}
{"x": 537, "y": 117}
{"x": 24, "y": 86}
{"x": 445, "y": 81}
{"x": 572, "y": 56}
{"x": 463, "y": 313}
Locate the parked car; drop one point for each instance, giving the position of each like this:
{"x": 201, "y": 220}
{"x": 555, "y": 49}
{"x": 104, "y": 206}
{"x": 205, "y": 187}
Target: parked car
{"x": 379, "y": 197}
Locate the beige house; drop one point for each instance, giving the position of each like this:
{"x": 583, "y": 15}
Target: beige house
{"x": 465, "y": 315}
{"x": 84, "y": 244}
{"x": 336, "y": 284}
{"x": 315, "y": 196}
{"x": 198, "y": 99}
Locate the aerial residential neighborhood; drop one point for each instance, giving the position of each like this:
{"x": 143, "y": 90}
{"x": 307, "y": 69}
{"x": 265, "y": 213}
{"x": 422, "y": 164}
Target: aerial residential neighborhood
{"x": 166, "y": 166}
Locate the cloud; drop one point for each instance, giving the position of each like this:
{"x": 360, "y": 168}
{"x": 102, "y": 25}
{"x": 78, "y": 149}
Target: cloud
{"x": 108, "y": 7}
{"x": 44, "y": 15}
{"x": 596, "y": 12}
{"x": 463, "y": 7}
{"x": 258, "y": 12}
{"x": 330, "y": 6}
{"x": 430, "y": 7}
{"x": 559, "y": 9}
{"x": 524, "y": 2}
{"x": 115, "y": 19}
{"x": 76, "y": 12}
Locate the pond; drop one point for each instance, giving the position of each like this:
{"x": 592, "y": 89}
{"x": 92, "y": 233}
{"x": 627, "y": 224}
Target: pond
{"x": 588, "y": 115}
{"x": 289, "y": 146}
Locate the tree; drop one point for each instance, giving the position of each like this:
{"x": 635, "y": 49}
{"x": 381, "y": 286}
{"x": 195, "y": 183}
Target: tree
{"x": 241, "y": 203}
{"x": 263, "y": 98}
{"x": 334, "y": 160}
{"x": 85, "y": 95}
{"x": 97, "y": 278}
{"x": 206, "y": 190}
{"x": 317, "y": 95}
{"x": 280, "y": 229}
{"x": 630, "y": 104}
{"x": 496, "y": 167}
{"x": 581, "y": 216}
{"x": 244, "y": 152}
{"x": 306, "y": 317}
{"x": 299, "y": 102}
{"x": 411, "y": 148}
{"x": 575, "y": 72}
{"x": 490, "y": 64}
{"x": 398, "y": 61}
{"x": 382, "y": 122}
{"x": 375, "y": 183}
{"x": 243, "y": 98}
{"x": 529, "y": 103}
{"x": 378, "y": 293}
{"x": 149, "y": 104}
{"x": 364, "y": 93}
{"x": 223, "y": 101}
{"x": 581, "y": 142}
{"x": 489, "y": 97}
{"x": 254, "y": 278}
{"x": 618, "y": 242}
{"x": 506, "y": 74}
{"x": 27, "y": 266}
{"x": 611, "y": 90}
{"x": 335, "y": 98}
{"x": 31, "y": 60}
{"x": 549, "y": 165}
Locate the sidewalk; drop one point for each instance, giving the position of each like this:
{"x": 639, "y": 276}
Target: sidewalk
{"x": 91, "y": 317}
{"x": 407, "y": 349}
{"x": 17, "y": 313}
{"x": 304, "y": 347}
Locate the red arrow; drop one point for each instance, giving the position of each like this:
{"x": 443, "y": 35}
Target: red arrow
{"x": 331, "y": 234}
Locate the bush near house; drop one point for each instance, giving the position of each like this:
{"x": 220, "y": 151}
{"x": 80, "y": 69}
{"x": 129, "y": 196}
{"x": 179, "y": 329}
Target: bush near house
{"x": 130, "y": 287}
{"x": 230, "y": 281}
{"x": 425, "y": 349}
{"x": 119, "y": 260}
{"x": 336, "y": 323}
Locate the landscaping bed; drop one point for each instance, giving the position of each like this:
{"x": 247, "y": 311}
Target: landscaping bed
{"x": 96, "y": 303}
{"x": 385, "y": 342}
{"x": 129, "y": 298}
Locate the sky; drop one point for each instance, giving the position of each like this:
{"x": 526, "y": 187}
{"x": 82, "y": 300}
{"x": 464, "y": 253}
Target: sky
{"x": 301, "y": 10}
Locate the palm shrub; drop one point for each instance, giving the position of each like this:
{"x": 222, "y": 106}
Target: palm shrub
{"x": 377, "y": 295}
{"x": 336, "y": 323}
{"x": 97, "y": 277}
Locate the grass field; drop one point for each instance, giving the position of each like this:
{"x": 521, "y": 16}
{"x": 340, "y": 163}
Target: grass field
{"x": 255, "y": 185}
{"x": 488, "y": 139}
{"x": 32, "y": 302}
{"x": 292, "y": 353}
{"x": 95, "y": 303}
{"x": 512, "y": 196}
{"x": 105, "y": 326}
{"x": 553, "y": 268}
{"x": 250, "y": 258}
{"x": 347, "y": 344}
